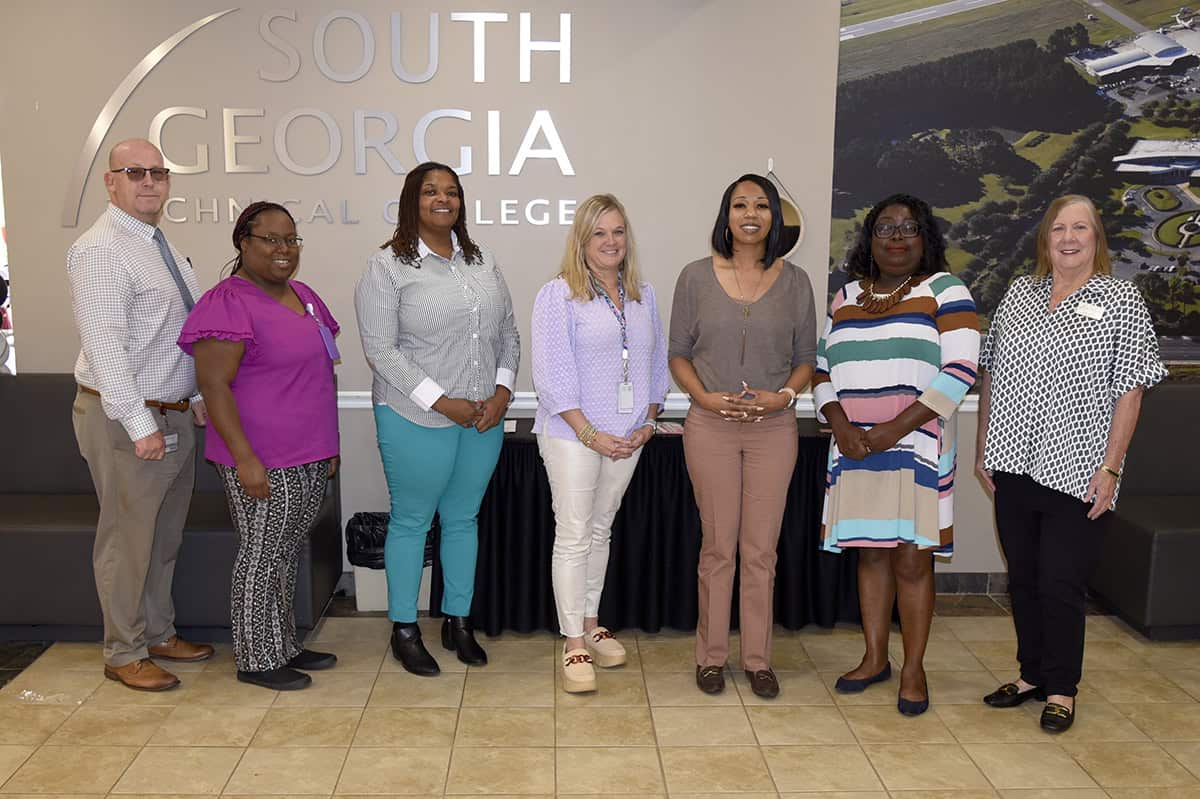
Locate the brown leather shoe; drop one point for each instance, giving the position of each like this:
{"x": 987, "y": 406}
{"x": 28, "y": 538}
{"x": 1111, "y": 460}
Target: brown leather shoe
{"x": 710, "y": 679}
{"x": 763, "y": 683}
{"x": 142, "y": 675}
{"x": 175, "y": 648}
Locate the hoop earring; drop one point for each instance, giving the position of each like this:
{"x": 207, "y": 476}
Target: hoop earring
{"x": 728, "y": 238}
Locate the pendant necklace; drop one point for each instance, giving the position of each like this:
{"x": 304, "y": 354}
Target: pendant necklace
{"x": 742, "y": 297}
{"x": 745, "y": 306}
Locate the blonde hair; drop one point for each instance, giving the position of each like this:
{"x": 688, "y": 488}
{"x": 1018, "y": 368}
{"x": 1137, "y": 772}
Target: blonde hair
{"x": 574, "y": 264}
{"x": 1101, "y": 263}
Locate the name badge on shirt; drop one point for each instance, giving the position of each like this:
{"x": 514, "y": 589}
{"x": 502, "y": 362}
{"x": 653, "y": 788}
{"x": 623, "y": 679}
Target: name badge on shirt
{"x": 1089, "y": 310}
{"x": 171, "y": 440}
{"x": 625, "y": 397}
{"x": 326, "y": 335}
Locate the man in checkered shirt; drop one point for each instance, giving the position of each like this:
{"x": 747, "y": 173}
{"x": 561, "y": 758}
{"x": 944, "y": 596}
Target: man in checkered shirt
{"x": 130, "y": 293}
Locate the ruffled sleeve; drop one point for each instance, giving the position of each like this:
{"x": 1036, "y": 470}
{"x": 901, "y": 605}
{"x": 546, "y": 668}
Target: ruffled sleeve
{"x": 221, "y": 314}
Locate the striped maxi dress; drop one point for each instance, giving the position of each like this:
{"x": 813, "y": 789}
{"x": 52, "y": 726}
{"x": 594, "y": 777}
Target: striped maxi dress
{"x": 924, "y": 349}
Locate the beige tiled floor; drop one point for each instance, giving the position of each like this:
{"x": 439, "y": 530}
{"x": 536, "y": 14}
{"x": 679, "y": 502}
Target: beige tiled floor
{"x": 369, "y": 729}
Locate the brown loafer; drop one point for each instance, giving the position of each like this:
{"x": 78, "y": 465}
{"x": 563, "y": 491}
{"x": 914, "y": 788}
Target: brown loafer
{"x": 175, "y": 648}
{"x": 142, "y": 675}
{"x": 710, "y": 679}
{"x": 763, "y": 683}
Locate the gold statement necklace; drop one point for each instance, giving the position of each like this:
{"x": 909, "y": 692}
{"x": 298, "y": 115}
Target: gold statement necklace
{"x": 872, "y": 302}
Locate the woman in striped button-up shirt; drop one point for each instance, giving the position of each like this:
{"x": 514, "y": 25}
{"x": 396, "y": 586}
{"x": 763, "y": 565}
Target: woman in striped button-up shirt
{"x": 437, "y": 327}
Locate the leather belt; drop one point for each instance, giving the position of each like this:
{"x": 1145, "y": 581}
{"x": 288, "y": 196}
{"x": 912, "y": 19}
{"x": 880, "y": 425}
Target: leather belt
{"x": 182, "y": 405}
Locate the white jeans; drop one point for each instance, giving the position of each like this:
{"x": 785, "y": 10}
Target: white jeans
{"x": 586, "y": 488}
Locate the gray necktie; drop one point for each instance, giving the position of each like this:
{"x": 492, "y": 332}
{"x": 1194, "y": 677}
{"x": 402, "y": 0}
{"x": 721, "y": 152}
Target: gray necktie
{"x": 173, "y": 268}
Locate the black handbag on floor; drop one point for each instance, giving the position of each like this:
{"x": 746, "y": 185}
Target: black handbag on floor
{"x": 365, "y": 535}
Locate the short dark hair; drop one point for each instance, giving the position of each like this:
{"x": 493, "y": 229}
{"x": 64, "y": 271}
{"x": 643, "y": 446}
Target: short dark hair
{"x": 404, "y": 240}
{"x": 859, "y": 263}
{"x": 722, "y": 239}
{"x": 242, "y": 226}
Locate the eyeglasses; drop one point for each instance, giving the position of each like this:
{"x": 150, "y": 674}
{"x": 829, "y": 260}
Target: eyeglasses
{"x": 908, "y": 229}
{"x": 274, "y": 242}
{"x": 136, "y": 173}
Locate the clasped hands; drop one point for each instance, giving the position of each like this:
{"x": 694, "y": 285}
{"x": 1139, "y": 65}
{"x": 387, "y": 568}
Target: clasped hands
{"x": 750, "y": 406}
{"x": 856, "y": 443}
{"x": 617, "y": 448}
{"x": 483, "y": 416}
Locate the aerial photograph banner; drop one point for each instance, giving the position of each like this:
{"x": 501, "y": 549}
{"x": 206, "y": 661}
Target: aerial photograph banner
{"x": 989, "y": 109}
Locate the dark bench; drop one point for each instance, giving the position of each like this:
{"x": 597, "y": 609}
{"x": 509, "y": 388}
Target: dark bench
{"x": 48, "y": 512}
{"x": 1150, "y": 559}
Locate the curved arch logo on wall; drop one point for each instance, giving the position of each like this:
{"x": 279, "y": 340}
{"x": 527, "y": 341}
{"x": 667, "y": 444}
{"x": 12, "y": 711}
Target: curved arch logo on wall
{"x": 373, "y": 136}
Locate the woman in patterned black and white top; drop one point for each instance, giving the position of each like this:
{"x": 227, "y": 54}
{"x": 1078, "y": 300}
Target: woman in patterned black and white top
{"x": 1062, "y": 371}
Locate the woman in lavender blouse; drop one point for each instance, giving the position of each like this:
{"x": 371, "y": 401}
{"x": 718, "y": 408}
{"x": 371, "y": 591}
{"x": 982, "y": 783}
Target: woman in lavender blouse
{"x": 600, "y": 371}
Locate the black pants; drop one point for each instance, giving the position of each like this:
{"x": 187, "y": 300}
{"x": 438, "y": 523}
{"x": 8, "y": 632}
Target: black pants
{"x": 1052, "y": 549}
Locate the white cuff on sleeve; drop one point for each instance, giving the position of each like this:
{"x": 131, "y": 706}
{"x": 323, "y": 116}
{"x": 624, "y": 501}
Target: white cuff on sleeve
{"x": 140, "y": 424}
{"x": 506, "y": 378}
{"x": 426, "y": 394}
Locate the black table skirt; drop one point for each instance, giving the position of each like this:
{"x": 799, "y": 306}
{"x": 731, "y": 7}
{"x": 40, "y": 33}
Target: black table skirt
{"x": 651, "y": 580}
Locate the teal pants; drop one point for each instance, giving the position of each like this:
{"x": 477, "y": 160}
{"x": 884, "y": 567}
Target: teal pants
{"x": 428, "y": 469}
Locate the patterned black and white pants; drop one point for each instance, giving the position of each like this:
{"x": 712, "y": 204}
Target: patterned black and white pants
{"x": 264, "y": 573}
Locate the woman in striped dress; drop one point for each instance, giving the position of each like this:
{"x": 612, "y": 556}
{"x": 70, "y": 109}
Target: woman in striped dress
{"x": 897, "y": 357}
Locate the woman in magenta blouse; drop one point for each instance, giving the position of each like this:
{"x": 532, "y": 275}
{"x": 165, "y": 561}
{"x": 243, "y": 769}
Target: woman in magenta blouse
{"x": 600, "y": 370}
{"x": 264, "y": 352}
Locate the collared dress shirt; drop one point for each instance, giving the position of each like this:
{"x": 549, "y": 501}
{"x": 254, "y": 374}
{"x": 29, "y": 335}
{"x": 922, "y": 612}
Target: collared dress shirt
{"x": 129, "y": 312}
{"x": 444, "y": 328}
{"x": 576, "y": 356}
{"x": 1056, "y": 377}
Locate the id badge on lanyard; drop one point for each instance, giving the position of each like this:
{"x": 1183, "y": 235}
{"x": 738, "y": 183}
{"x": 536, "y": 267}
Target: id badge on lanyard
{"x": 625, "y": 387}
{"x": 326, "y": 334}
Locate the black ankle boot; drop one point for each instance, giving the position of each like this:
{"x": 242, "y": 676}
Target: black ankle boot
{"x": 458, "y": 637}
{"x": 408, "y": 648}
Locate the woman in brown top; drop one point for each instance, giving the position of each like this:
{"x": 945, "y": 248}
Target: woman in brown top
{"x": 743, "y": 344}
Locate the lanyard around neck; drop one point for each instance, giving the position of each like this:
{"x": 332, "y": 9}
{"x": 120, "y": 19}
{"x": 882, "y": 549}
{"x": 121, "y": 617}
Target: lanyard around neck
{"x": 620, "y": 316}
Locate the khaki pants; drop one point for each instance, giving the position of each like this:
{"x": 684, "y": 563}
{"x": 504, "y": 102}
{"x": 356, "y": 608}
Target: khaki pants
{"x": 740, "y": 474}
{"x": 143, "y": 507}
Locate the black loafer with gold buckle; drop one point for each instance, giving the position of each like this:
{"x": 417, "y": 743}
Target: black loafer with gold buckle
{"x": 1057, "y": 718}
{"x": 1010, "y": 695}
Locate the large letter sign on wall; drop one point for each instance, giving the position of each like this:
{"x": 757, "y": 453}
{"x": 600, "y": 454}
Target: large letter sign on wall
{"x": 256, "y": 139}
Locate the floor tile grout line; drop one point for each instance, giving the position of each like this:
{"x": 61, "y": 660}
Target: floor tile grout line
{"x": 658, "y": 748}
{"x": 858, "y": 740}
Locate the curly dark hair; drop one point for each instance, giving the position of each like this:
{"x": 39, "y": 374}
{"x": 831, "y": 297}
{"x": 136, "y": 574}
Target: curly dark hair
{"x": 721, "y": 239}
{"x": 859, "y": 263}
{"x": 404, "y": 240}
{"x": 244, "y": 222}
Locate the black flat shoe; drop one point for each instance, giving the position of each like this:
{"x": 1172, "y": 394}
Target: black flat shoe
{"x": 280, "y": 679}
{"x": 1057, "y": 718}
{"x": 913, "y": 707}
{"x": 763, "y": 683}
{"x": 409, "y": 649}
{"x": 1009, "y": 695}
{"x": 710, "y": 679}
{"x": 844, "y": 685}
{"x": 309, "y": 660}
{"x": 458, "y": 637}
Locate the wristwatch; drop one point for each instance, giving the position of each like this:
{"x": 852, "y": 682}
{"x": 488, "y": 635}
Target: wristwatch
{"x": 652, "y": 424}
